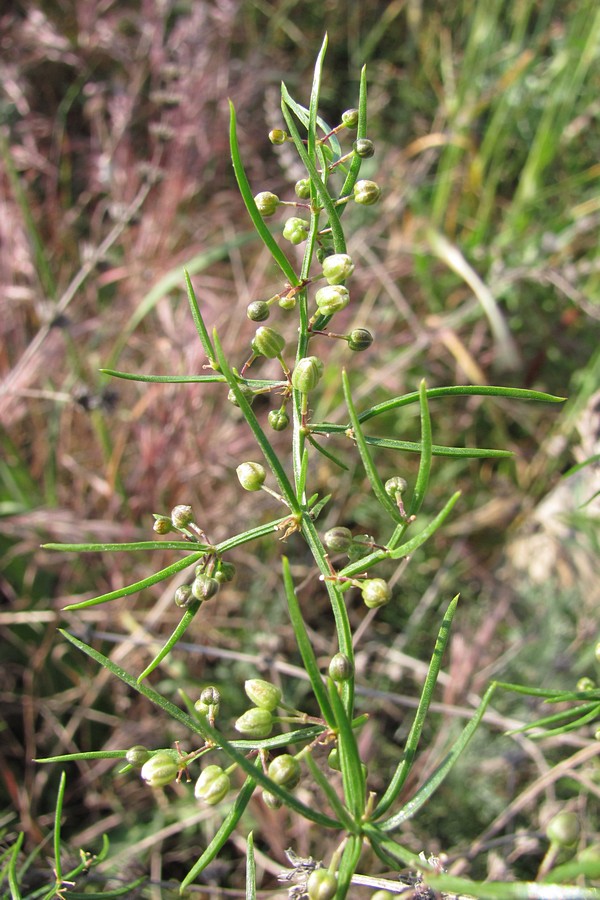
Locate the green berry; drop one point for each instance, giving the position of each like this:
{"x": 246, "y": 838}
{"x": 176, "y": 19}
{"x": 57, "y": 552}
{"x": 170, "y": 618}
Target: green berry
{"x": 340, "y": 667}
{"x": 375, "y": 592}
{"x": 295, "y": 230}
{"x": 585, "y": 684}
{"x": 272, "y": 801}
{"x": 162, "y": 524}
{"x": 255, "y": 723}
{"x": 287, "y": 301}
{"x": 360, "y": 339}
{"x": 302, "y": 189}
{"x": 262, "y": 693}
{"x": 204, "y": 587}
{"x": 224, "y": 572}
{"x": 246, "y": 392}
{"x": 278, "y": 419}
{"x": 332, "y": 298}
{"x": 285, "y": 771}
{"x": 277, "y": 136}
{"x": 212, "y": 785}
{"x": 333, "y": 760}
{"x": 321, "y": 885}
{"x": 258, "y": 311}
{"x": 364, "y": 148}
{"x": 183, "y": 596}
{"x": 251, "y": 475}
{"x": 338, "y": 539}
{"x": 160, "y": 769}
{"x": 350, "y": 118}
{"x": 137, "y": 756}
{"x": 266, "y": 203}
{"x": 366, "y": 192}
{"x": 563, "y": 829}
{"x": 267, "y": 342}
{"x": 307, "y": 373}
{"x": 210, "y": 695}
{"x": 337, "y": 267}
{"x": 182, "y": 516}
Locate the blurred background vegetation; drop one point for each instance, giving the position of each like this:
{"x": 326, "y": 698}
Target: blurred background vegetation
{"x": 480, "y": 265}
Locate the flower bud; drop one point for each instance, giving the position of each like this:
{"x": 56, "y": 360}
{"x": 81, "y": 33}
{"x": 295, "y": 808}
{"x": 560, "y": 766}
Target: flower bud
{"x": 277, "y": 136}
{"x": 285, "y": 771}
{"x": 162, "y": 525}
{"x": 375, "y": 592}
{"x": 360, "y": 339}
{"x": 246, "y": 392}
{"x": 204, "y": 587}
{"x": 366, "y": 192}
{"x": 262, "y": 693}
{"x": 332, "y": 299}
{"x": 160, "y": 769}
{"x": 255, "y": 723}
{"x": 182, "y": 516}
{"x": 209, "y": 702}
{"x": 364, "y": 148}
{"x": 212, "y": 785}
{"x": 307, "y": 373}
{"x": 563, "y": 829}
{"x": 340, "y": 667}
{"x": 137, "y": 756}
{"x": 321, "y": 885}
{"x": 278, "y": 419}
{"x": 272, "y": 801}
{"x": 266, "y": 203}
{"x": 267, "y": 342}
{"x": 324, "y": 252}
{"x": 333, "y": 760}
{"x": 295, "y": 230}
{"x": 350, "y": 118}
{"x": 338, "y": 539}
{"x": 302, "y": 189}
{"x": 287, "y": 301}
{"x": 337, "y": 267}
{"x": 258, "y": 311}
{"x": 585, "y": 684}
{"x": 251, "y": 476}
{"x": 395, "y": 487}
{"x": 183, "y": 596}
{"x": 224, "y": 572}
{"x": 210, "y": 695}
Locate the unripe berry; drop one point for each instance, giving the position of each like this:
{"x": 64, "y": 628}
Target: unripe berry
{"x": 183, "y": 596}
{"x": 295, "y": 230}
{"x": 246, "y": 392}
{"x": 338, "y": 539}
{"x": 366, "y": 192}
{"x": 585, "y": 684}
{"x": 375, "y": 592}
{"x": 285, "y": 771}
{"x": 307, "y": 373}
{"x": 262, "y": 693}
{"x": 360, "y": 339}
{"x": 137, "y": 756}
{"x": 563, "y": 829}
{"x": 277, "y": 136}
{"x": 267, "y": 342}
{"x": 364, "y": 148}
{"x": 266, "y": 203}
{"x": 210, "y": 695}
{"x": 212, "y": 785}
{"x": 251, "y": 475}
{"x": 350, "y": 118}
{"x": 258, "y": 311}
{"x": 209, "y": 702}
{"x": 323, "y": 253}
{"x": 160, "y": 769}
{"x": 333, "y": 760}
{"x": 182, "y": 516}
{"x": 255, "y": 723}
{"x": 321, "y": 885}
{"x": 278, "y": 419}
{"x": 332, "y": 298}
{"x": 302, "y": 189}
{"x": 340, "y": 667}
{"x": 204, "y": 587}
{"x": 271, "y": 800}
{"x": 337, "y": 267}
{"x": 224, "y": 572}
{"x": 287, "y": 301}
{"x": 162, "y": 525}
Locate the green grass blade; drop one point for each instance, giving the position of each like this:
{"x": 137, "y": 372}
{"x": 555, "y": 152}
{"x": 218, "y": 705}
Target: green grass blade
{"x": 57, "y": 828}
{"x": 260, "y": 436}
{"x": 425, "y": 463}
{"x": 313, "y": 106}
{"x": 199, "y": 321}
{"x": 179, "y": 631}
{"x": 412, "y": 741}
{"x": 248, "y": 198}
{"x": 250, "y": 868}
{"x": 348, "y": 864}
{"x": 439, "y": 450}
{"x": 131, "y": 546}
{"x": 327, "y": 454}
{"x": 90, "y": 754}
{"x": 139, "y": 585}
{"x": 368, "y": 464}
{"x": 13, "y": 881}
{"x": 304, "y": 645}
{"x": 520, "y": 890}
{"x": 395, "y": 855}
{"x": 361, "y": 132}
{"x": 353, "y": 778}
{"x": 435, "y": 780}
